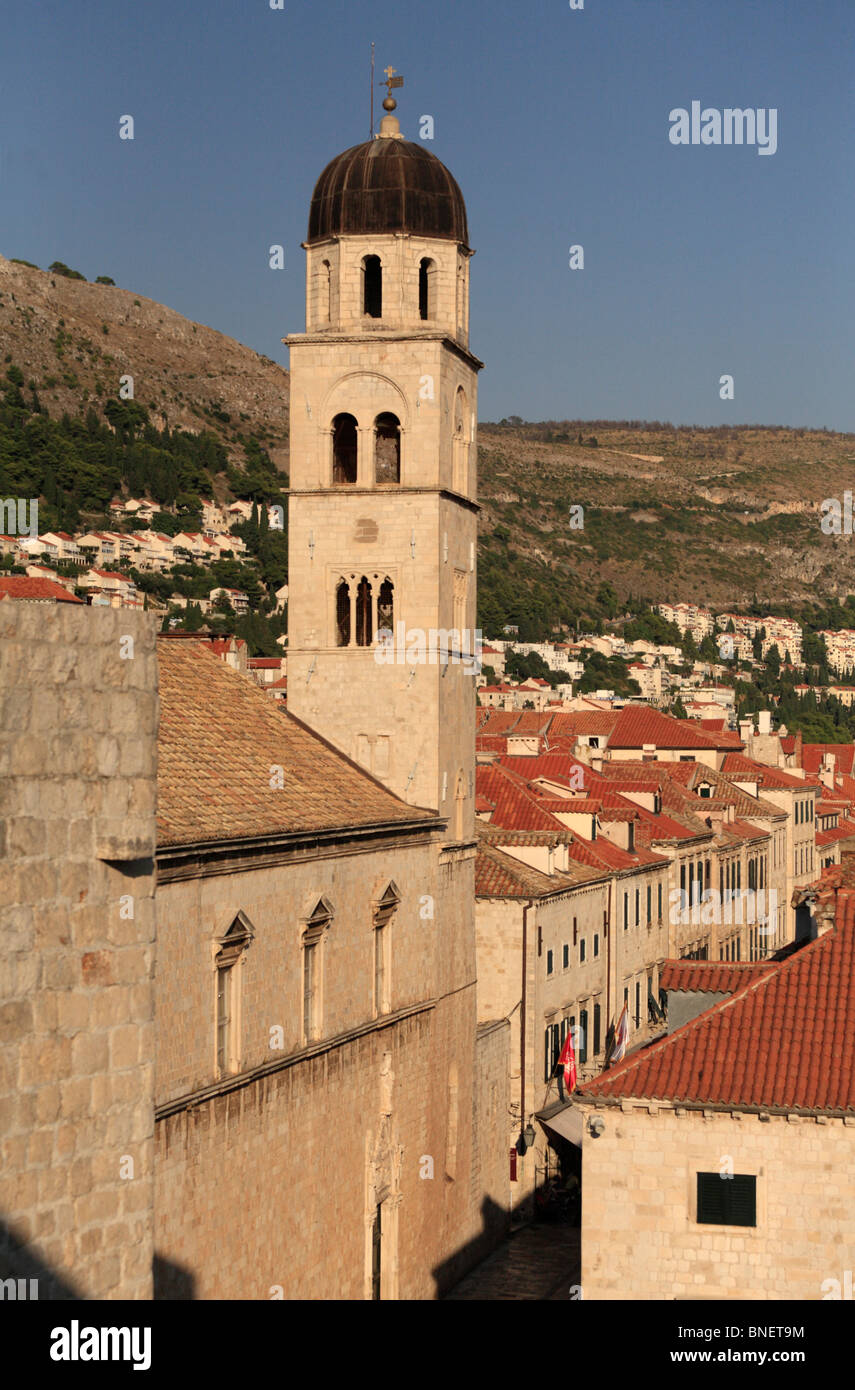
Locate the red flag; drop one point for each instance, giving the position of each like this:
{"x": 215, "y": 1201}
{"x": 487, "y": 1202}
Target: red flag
{"x": 567, "y": 1060}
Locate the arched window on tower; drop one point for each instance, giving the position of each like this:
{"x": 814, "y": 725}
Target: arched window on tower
{"x": 427, "y": 289}
{"x": 342, "y": 614}
{"x": 344, "y": 449}
{"x": 372, "y": 287}
{"x": 386, "y": 608}
{"x": 387, "y": 449}
{"x": 364, "y": 616}
{"x": 325, "y": 288}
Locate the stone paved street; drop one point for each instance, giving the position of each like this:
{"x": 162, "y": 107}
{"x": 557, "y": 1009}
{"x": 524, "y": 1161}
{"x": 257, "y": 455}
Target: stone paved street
{"x": 539, "y": 1262}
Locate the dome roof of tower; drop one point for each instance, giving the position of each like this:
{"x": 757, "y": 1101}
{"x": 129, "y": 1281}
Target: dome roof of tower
{"x": 387, "y": 185}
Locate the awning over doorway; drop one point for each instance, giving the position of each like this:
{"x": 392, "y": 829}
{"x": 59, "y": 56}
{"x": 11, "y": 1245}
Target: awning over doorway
{"x": 563, "y": 1119}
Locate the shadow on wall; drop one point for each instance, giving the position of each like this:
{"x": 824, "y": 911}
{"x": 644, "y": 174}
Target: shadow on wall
{"x": 19, "y": 1264}
{"x": 172, "y": 1282}
{"x": 495, "y": 1223}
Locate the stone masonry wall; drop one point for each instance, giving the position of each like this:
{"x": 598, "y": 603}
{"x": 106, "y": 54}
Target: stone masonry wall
{"x": 78, "y": 725}
{"x": 640, "y": 1236}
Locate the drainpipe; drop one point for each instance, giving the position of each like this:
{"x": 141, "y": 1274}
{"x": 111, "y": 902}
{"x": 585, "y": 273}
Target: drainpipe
{"x": 528, "y": 905}
{"x": 609, "y": 959}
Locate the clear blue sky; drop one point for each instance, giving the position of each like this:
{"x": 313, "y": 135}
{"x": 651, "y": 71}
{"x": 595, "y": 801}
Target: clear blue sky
{"x": 699, "y": 260}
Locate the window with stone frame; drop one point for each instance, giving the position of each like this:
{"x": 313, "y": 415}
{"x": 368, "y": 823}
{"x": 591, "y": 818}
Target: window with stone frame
{"x": 385, "y": 908}
{"x": 317, "y": 923}
{"x": 227, "y": 961}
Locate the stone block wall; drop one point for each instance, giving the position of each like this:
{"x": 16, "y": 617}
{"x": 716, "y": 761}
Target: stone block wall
{"x": 78, "y": 725}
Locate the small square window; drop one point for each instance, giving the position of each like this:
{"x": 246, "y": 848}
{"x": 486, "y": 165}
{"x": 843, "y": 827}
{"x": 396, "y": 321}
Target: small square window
{"x": 727, "y": 1200}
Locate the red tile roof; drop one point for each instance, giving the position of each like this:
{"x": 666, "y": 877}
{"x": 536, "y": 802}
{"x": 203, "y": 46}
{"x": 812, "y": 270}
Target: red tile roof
{"x": 711, "y": 976}
{"x": 220, "y": 735}
{"x": 19, "y": 586}
{"x": 784, "y": 1041}
{"x": 638, "y": 725}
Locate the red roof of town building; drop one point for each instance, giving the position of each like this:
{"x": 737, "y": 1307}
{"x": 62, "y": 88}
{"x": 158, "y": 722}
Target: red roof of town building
{"x": 19, "y": 586}
{"x": 638, "y": 725}
{"x": 785, "y": 1040}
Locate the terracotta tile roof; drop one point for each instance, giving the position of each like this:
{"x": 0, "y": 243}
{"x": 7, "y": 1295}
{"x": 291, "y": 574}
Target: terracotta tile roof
{"x": 499, "y": 875}
{"x": 843, "y": 754}
{"x": 530, "y": 722}
{"x": 574, "y": 723}
{"x": 220, "y": 734}
{"x": 514, "y": 808}
{"x": 787, "y": 1040}
{"x": 264, "y": 663}
{"x": 499, "y": 721}
{"x": 638, "y": 725}
{"x": 20, "y": 586}
{"x": 711, "y": 976}
{"x": 845, "y": 830}
{"x": 735, "y": 765}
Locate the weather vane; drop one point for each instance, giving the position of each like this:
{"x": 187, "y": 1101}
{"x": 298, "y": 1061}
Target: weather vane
{"x": 389, "y": 102}
{"x": 391, "y": 80}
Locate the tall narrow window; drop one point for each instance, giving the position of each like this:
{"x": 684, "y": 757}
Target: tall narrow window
{"x": 385, "y": 908}
{"x": 227, "y": 1023}
{"x": 224, "y": 1012}
{"x": 459, "y": 805}
{"x": 386, "y": 607}
{"x": 316, "y": 925}
{"x": 310, "y": 990}
{"x": 387, "y": 448}
{"x": 325, "y": 292}
{"x": 344, "y": 449}
{"x": 459, "y": 447}
{"x": 583, "y": 1035}
{"x": 596, "y": 1051}
{"x": 427, "y": 289}
{"x": 342, "y": 614}
{"x": 364, "y": 616}
{"x": 372, "y": 287}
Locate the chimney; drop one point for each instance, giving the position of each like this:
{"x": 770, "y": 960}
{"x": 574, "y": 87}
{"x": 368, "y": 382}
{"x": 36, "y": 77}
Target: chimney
{"x": 746, "y": 729}
{"x": 764, "y": 722}
{"x": 596, "y": 760}
{"x": 798, "y": 749}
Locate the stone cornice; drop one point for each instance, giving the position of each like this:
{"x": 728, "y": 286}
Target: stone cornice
{"x": 242, "y": 1079}
{"x": 331, "y": 339}
{"x": 204, "y": 858}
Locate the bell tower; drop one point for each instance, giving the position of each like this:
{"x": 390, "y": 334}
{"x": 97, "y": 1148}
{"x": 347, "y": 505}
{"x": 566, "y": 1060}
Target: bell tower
{"x": 382, "y": 509}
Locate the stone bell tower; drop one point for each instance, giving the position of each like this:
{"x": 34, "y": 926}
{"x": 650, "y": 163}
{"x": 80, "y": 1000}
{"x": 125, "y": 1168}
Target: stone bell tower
{"x": 382, "y": 510}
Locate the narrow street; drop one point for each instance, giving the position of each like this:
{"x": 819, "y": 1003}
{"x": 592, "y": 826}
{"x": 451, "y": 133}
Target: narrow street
{"x": 541, "y": 1262}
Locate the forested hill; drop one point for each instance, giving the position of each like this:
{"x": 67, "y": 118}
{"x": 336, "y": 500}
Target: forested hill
{"x": 73, "y": 341}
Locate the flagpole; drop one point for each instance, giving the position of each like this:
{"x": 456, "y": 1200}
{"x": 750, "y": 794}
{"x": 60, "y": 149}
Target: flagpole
{"x": 371, "y": 136}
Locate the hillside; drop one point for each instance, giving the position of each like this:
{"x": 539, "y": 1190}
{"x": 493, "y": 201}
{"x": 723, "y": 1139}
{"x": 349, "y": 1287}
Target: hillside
{"x": 713, "y": 516}
{"x": 75, "y": 340}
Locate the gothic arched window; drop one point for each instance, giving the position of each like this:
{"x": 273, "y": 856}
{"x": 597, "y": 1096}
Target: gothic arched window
{"x": 372, "y": 287}
{"x": 387, "y": 448}
{"x": 427, "y": 289}
{"x": 342, "y": 614}
{"x": 364, "y": 616}
{"x": 344, "y": 449}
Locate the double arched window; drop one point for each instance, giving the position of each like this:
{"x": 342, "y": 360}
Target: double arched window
{"x": 386, "y": 435}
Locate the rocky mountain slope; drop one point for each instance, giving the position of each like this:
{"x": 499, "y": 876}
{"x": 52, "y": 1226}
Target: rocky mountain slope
{"x": 75, "y": 340}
